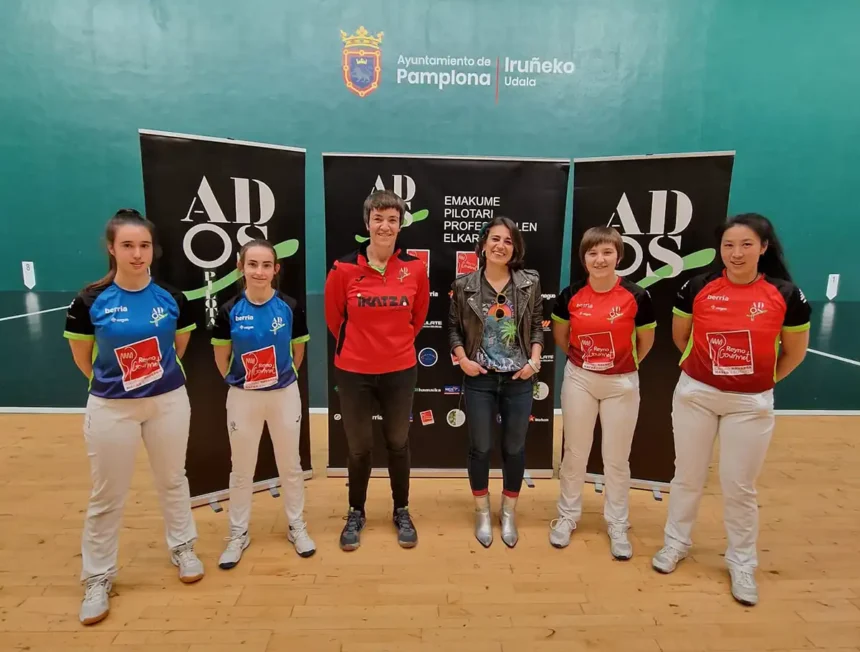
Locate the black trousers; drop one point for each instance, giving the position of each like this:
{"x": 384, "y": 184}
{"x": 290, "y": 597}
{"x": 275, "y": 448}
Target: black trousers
{"x": 359, "y": 395}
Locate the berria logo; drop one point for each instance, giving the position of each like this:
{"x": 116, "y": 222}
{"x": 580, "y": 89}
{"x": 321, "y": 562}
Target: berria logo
{"x": 362, "y": 61}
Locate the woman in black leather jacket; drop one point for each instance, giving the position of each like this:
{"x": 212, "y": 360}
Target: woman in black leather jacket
{"x": 495, "y": 331}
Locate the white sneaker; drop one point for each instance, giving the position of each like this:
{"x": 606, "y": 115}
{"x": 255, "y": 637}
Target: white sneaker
{"x": 560, "y": 530}
{"x": 190, "y": 566}
{"x": 666, "y": 560}
{"x": 744, "y": 588}
{"x": 236, "y": 545}
{"x": 299, "y": 537}
{"x": 619, "y": 544}
{"x": 95, "y": 606}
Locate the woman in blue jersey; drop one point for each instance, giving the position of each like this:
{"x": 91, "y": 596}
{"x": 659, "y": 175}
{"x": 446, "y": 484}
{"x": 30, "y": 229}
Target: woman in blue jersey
{"x": 127, "y": 333}
{"x": 259, "y": 339}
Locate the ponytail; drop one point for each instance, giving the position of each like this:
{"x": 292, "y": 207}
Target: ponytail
{"x": 772, "y": 262}
{"x": 122, "y": 217}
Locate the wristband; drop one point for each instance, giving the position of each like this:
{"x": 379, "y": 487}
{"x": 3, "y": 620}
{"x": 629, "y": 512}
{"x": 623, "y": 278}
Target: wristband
{"x": 534, "y": 366}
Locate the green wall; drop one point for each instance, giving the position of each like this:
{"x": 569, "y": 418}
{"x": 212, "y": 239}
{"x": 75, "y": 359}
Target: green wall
{"x": 776, "y": 81}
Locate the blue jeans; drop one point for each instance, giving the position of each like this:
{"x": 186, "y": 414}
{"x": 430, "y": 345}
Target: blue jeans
{"x": 486, "y": 396}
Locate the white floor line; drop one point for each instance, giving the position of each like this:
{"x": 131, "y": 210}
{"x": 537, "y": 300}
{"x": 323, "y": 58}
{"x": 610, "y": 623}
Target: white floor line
{"x": 835, "y": 357}
{"x": 30, "y": 314}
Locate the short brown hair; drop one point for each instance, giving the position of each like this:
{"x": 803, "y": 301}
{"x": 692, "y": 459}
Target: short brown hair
{"x": 381, "y": 199}
{"x": 517, "y": 260}
{"x": 598, "y": 235}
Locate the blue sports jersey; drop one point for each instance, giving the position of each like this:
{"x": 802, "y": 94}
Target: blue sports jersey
{"x": 262, "y": 337}
{"x": 134, "y": 355}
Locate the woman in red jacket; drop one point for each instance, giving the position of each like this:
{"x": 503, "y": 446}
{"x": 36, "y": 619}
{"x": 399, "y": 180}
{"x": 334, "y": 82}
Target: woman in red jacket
{"x": 376, "y": 301}
{"x": 740, "y": 330}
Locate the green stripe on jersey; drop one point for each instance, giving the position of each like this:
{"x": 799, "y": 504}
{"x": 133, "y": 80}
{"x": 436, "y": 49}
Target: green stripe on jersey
{"x": 78, "y": 336}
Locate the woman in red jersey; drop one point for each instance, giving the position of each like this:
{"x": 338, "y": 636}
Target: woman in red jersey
{"x": 741, "y": 330}
{"x": 376, "y": 301}
{"x": 606, "y": 325}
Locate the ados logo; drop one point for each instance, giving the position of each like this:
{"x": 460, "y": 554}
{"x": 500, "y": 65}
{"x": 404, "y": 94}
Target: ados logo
{"x": 659, "y": 237}
{"x": 362, "y": 61}
{"x": 404, "y": 187}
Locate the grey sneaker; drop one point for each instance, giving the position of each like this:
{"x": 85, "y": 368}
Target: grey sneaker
{"x": 95, "y": 606}
{"x": 236, "y": 545}
{"x": 667, "y": 559}
{"x": 350, "y": 536}
{"x": 619, "y": 544}
{"x": 407, "y": 535}
{"x": 190, "y": 566}
{"x": 744, "y": 588}
{"x": 560, "y": 530}
{"x": 299, "y": 537}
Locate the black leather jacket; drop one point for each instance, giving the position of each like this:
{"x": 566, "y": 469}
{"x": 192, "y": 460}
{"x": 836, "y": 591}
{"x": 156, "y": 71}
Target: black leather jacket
{"x": 465, "y": 317}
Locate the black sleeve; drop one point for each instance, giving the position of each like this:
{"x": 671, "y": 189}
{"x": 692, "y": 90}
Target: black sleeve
{"x": 300, "y": 322}
{"x": 79, "y": 325}
{"x": 221, "y": 329}
{"x": 560, "y": 311}
{"x": 185, "y": 322}
{"x": 797, "y": 310}
{"x": 684, "y": 299}
{"x": 645, "y": 317}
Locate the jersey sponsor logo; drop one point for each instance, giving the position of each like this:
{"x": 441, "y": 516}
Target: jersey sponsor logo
{"x": 714, "y": 297}
{"x": 583, "y": 305}
{"x": 110, "y": 311}
{"x": 719, "y": 308}
{"x": 382, "y": 302}
{"x": 402, "y": 274}
{"x": 614, "y": 314}
{"x": 598, "y": 351}
{"x": 261, "y": 368}
{"x": 428, "y": 357}
{"x": 756, "y": 309}
{"x": 731, "y": 353}
{"x": 427, "y": 418}
{"x": 800, "y": 293}
{"x": 140, "y": 363}
{"x": 467, "y": 262}
{"x": 277, "y": 324}
{"x": 157, "y": 315}
{"x": 243, "y": 318}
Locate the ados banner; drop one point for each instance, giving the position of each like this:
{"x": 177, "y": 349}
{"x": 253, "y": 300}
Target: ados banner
{"x": 448, "y": 199}
{"x": 667, "y": 208}
{"x": 208, "y": 197}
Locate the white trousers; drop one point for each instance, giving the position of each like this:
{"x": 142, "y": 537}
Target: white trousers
{"x": 584, "y": 395}
{"x": 247, "y": 410}
{"x": 113, "y": 429}
{"x": 744, "y": 423}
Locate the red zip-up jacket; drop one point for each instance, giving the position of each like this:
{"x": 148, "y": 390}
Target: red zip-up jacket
{"x": 375, "y": 317}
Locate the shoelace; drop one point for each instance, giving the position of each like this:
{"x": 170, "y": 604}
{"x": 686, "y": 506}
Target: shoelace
{"x": 403, "y": 520}
{"x": 744, "y": 579}
{"x": 671, "y": 553}
{"x": 556, "y": 524}
{"x": 353, "y": 522}
{"x": 185, "y": 554}
{"x": 300, "y": 531}
{"x": 95, "y": 589}
{"x": 234, "y": 544}
{"x": 617, "y": 532}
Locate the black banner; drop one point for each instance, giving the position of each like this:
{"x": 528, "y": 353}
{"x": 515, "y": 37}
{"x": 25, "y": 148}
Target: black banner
{"x": 448, "y": 199}
{"x": 667, "y": 208}
{"x": 207, "y": 197}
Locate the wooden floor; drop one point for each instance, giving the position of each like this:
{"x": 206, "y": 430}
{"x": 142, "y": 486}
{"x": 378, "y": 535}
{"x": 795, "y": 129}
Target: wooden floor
{"x": 448, "y": 593}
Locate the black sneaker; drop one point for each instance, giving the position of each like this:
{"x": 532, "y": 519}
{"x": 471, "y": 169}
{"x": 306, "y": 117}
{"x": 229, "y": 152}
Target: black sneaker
{"x": 350, "y": 539}
{"x": 407, "y": 536}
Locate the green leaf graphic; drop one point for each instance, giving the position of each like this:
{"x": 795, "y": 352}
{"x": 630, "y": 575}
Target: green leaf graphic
{"x": 283, "y": 249}
{"x": 420, "y": 215}
{"x": 361, "y": 238}
{"x": 695, "y": 260}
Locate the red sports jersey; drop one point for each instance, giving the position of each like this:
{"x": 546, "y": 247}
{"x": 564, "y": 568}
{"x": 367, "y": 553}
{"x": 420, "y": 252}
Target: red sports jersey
{"x": 375, "y": 317}
{"x": 735, "y": 338}
{"x": 603, "y": 325}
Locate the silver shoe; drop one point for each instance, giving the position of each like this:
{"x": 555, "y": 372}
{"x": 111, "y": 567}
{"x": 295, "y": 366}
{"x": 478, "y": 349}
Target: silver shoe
{"x": 483, "y": 520}
{"x": 509, "y": 525}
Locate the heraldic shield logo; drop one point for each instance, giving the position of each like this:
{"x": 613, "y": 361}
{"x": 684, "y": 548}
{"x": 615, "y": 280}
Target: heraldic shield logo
{"x": 362, "y": 61}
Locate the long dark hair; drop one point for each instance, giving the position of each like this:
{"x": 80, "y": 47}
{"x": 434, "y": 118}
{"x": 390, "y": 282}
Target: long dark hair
{"x": 265, "y": 244}
{"x": 123, "y": 217}
{"x": 772, "y": 262}
{"x": 517, "y": 260}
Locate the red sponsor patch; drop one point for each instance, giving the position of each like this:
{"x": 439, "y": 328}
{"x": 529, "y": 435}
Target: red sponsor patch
{"x": 140, "y": 363}
{"x": 598, "y": 351}
{"x": 261, "y": 368}
{"x": 467, "y": 262}
{"x": 731, "y": 353}
{"x": 423, "y": 255}
{"x": 427, "y": 418}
